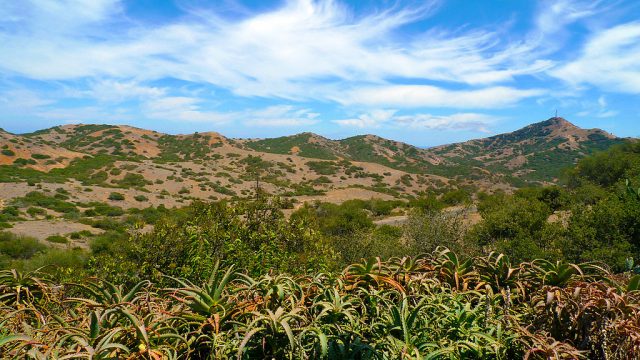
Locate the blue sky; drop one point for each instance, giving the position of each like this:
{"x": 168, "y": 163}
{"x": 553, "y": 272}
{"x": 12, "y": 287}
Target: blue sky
{"x": 424, "y": 72}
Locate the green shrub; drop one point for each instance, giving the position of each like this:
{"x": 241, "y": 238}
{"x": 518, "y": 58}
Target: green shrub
{"x": 141, "y": 198}
{"x": 36, "y": 198}
{"x": 80, "y": 234}
{"x": 107, "y": 210}
{"x": 35, "y": 211}
{"x": 8, "y": 152}
{"x": 456, "y": 197}
{"x": 323, "y": 167}
{"x": 61, "y": 264}
{"x": 134, "y": 180}
{"x": 57, "y": 239}
{"x": 23, "y": 162}
{"x": 18, "y": 246}
{"x": 322, "y": 180}
{"x": 116, "y": 196}
{"x": 40, "y": 156}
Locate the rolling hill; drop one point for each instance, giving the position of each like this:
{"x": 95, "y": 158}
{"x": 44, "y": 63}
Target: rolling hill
{"x": 305, "y": 166}
{"x": 536, "y": 153}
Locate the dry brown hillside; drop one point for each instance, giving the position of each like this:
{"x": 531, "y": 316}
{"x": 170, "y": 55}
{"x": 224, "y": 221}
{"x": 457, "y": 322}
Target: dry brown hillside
{"x": 98, "y": 172}
{"x": 33, "y": 153}
{"x": 173, "y": 169}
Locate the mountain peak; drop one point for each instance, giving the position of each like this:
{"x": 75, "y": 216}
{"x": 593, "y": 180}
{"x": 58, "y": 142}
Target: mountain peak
{"x": 555, "y": 128}
{"x": 558, "y": 122}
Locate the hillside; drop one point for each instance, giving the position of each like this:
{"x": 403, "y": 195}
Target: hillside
{"x": 72, "y": 178}
{"x": 538, "y": 152}
{"x": 34, "y": 153}
{"x": 173, "y": 169}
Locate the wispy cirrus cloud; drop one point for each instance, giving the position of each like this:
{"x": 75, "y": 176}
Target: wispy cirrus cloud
{"x": 416, "y": 96}
{"x": 372, "y": 119}
{"x": 599, "y": 109}
{"x": 305, "y": 49}
{"x": 420, "y": 121}
{"x": 110, "y": 90}
{"x": 609, "y": 60}
{"x": 456, "y": 121}
{"x": 279, "y": 116}
{"x": 192, "y": 109}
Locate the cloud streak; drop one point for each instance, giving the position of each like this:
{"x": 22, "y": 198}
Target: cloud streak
{"x": 609, "y": 60}
{"x": 420, "y": 96}
{"x": 420, "y": 121}
{"x": 303, "y": 50}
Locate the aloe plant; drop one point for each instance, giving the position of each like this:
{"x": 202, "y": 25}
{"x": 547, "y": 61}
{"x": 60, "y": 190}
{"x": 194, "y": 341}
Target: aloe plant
{"x": 459, "y": 274}
{"x": 210, "y": 298}
{"x": 429, "y": 307}
{"x": 18, "y": 287}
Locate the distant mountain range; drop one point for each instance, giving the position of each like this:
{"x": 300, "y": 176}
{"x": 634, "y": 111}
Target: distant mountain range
{"x": 210, "y": 165}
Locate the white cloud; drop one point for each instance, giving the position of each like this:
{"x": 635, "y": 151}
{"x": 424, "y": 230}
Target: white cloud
{"x": 609, "y": 60}
{"x": 458, "y": 121}
{"x": 420, "y": 121}
{"x": 191, "y": 109}
{"x": 602, "y": 101}
{"x": 278, "y": 116}
{"x": 23, "y": 99}
{"x": 304, "y": 50}
{"x": 599, "y": 108}
{"x": 607, "y": 114}
{"x": 183, "y": 108}
{"x": 554, "y": 15}
{"x": 86, "y": 114}
{"x": 112, "y": 90}
{"x": 368, "y": 120}
{"x": 431, "y": 96}
{"x": 54, "y": 17}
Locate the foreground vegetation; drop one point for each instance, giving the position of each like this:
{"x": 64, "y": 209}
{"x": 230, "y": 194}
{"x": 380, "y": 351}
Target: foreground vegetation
{"x": 433, "y": 307}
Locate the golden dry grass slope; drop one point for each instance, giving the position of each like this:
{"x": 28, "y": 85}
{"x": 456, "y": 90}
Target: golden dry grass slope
{"x": 173, "y": 169}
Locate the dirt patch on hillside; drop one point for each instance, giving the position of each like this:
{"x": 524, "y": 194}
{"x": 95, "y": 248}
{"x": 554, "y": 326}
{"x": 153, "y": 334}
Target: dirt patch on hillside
{"x": 339, "y": 196}
{"x": 41, "y": 229}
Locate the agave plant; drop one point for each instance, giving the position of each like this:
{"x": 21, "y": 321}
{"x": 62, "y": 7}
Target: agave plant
{"x": 543, "y": 347}
{"x": 94, "y": 342}
{"x": 210, "y": 300}
{"x": 406, "y": 267}
{"x": 154, "y": 339}
{"x": 585, "y": 315}
{"x": 335, "y": 308}
{"x": 496, "y": 271}
{"x": 551, "y": 273}
{"x": 21, "y": 287}
{"x": 276, "y": 329}
{"x": 403, "y": 308}
{"x": 406, "y": 328}
{"x": 105, "y": 294}
{"x": 274, "y": 291}
{"x": 371, "y": 272}
{"x": 460, "y": 275}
